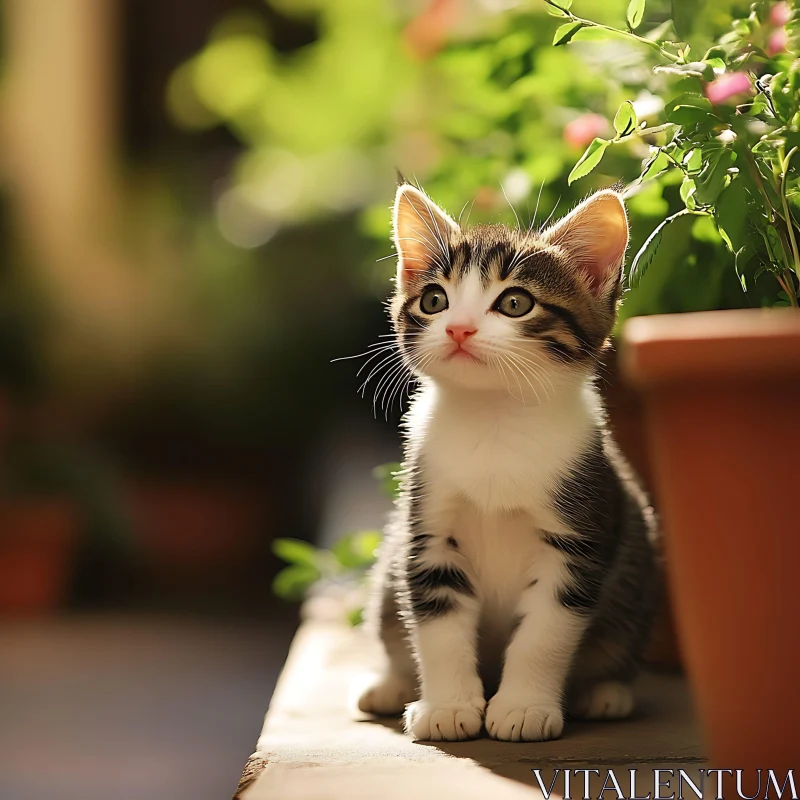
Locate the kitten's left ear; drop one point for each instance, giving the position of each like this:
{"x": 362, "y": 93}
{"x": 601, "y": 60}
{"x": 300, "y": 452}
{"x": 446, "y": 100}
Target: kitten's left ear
{"x": 422, "y": 231}
{"x": 595, "y": 236}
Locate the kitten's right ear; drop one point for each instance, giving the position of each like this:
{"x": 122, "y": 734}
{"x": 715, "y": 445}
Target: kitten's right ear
{"x": 422, "y": 232}
{"x": 595, "y": 236}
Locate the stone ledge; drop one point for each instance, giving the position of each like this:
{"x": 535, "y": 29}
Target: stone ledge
{"x": 314, "y": 747}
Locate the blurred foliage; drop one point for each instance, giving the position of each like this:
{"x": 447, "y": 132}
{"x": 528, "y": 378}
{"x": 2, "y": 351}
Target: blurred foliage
{"x": 345, "y": 563}
{"x": 350, "y": 557}
{"x": 313, "y": 121}
{"x": 471, "y": 98}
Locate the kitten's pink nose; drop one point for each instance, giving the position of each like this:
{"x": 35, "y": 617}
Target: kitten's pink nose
{"x": 460, "y": 333}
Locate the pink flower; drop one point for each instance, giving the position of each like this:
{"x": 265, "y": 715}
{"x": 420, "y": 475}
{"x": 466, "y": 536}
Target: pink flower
{"x": 427, "y": 33}
{"x": 727, "y": 86}
{"x": 780, "y": 14}
{"x": 777, "y": 42}
{"x": 583, "y": 129}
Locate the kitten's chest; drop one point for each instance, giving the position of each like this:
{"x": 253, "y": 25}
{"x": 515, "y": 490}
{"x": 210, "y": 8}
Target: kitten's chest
{"x": 504, "y": 554}
{"x": 504, "y": 551}
{"x": 503, "y": 460}
{"x": 495, "y": 465}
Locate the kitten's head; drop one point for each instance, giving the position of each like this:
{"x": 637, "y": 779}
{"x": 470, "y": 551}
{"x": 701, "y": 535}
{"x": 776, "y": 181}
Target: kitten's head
{"x": 491, "y": 307}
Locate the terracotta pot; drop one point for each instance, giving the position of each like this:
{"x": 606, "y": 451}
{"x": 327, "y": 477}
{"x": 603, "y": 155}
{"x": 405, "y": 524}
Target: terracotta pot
{"x": 197, "y": 525}
{"x": 722, "y": 402}
{"x": 37, "y": 541}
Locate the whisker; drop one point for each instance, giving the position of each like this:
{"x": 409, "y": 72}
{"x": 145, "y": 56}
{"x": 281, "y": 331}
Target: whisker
{"x": 513, "y": 359}
{"x": 386, "y": 381}
{"x": 544, "y": 224}
{"x": 536, "y": 210}
{"x": 369, "y": 352}
{"x": 469, "y": 213}
{"x": 386, "y": 363}
{"x": 503, "y": 190}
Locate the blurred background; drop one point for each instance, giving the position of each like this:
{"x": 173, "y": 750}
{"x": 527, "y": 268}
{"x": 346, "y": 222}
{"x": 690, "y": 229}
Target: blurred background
{"x": 194, "y": 218}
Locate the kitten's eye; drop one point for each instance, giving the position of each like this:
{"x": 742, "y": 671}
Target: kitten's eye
{"x": 514, "y": 303}
{"x": 433, "y": 300}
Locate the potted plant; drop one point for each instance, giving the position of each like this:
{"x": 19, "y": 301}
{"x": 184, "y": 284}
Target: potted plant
{"x": 721, "y": 389}
{"x": 37, "y": 542}
{"x": 721, "y": 392}
{"x": 38, "y": 532}
{"x": 64, "y": 532}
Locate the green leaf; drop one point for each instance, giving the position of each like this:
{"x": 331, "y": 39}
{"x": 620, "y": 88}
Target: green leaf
{"x": 296, "y": 551}
{"x": 558, "y": 9}
{"x": 716, "y": 54}
{"x": 589, "y": 160}
{"x": 783, "y": 97}
{"x": 699, "y": 69}
{"x": 741, "y": 26}
{"x": 688, "y": 188}
{"x": 688, "y": 109}
{"x": 711, "y": 181}
{"x": 758, "y": 105}
{"x": 357, "y": 550}
{"x": 625, "y": 119}
{"x": 741, "y": 261}
{"x": 565, "y": 32}
{"x": 656, "y": 165}
{"x": 693, "y": 161}
{"x": 635, "y": 13}
{"x": 731, "y": 214}
{"x": 292, "y": 583}
{"x": 644, "y": 258}
{"x": 355, "y": 616}
{"x": 774, "y": 246}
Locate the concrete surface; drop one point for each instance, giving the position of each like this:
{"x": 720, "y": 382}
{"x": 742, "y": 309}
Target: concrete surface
{"x": 132, "y": 706}
{"x": 314, "y": 746}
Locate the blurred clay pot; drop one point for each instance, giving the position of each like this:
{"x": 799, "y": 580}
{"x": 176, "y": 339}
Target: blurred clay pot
{"x": 37, "y": 542}
{"x": 189, "y": 526}
{"x": 722, "y": 400}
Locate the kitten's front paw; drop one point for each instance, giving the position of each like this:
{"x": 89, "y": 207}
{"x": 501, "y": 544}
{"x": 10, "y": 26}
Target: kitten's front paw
{"x": 516, "y": 721}
{"x": 387, "y": 696}
{"x": 444, "y": 723}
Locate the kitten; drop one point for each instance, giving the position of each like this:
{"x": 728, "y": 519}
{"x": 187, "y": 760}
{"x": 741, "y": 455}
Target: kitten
{"x": 519, "y": 564}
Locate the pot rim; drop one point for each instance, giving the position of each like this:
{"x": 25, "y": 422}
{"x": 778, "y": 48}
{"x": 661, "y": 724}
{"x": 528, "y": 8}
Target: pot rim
{"x": 735, "y": 345}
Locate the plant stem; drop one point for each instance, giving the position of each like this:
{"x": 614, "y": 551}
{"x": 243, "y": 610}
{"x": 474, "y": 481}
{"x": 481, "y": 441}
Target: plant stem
{"x": 675, "y": 162}
{"x": 587, "y": 23}
{"x": 655, "y": 129}
{"x": 758, "y": 181}
{"x": 786, "y": 284}
{"x": 787, "y": 214}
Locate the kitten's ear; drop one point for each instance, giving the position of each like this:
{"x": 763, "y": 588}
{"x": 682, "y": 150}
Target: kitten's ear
{"x": 595, "y": 236}
{"x": 422, "y": 231}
